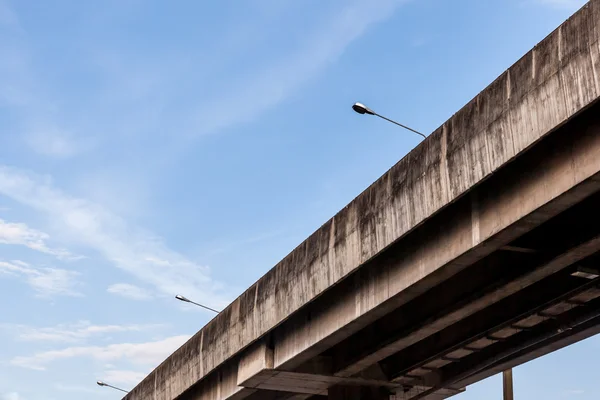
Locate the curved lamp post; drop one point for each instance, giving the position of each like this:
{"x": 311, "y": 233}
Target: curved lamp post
{"x": 362, "y": 109}
{"x": 100, "y": 383}
{"x": 186, "y": 300}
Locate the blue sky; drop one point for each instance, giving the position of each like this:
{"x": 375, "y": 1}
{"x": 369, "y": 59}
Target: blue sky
{"x": 149, "y": 148}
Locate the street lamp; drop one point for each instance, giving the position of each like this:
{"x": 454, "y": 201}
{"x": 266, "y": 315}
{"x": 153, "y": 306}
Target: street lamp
{"x": 186, "y": 300}
{"x": 100, "y": 383}
{"x": 362, "y": 109}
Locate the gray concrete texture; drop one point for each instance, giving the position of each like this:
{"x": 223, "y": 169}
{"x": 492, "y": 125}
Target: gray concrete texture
{"x": 552, "y": 83}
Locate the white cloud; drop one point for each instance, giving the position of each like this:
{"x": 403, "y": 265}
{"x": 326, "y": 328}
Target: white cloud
{"x": 54, "y": 281}
{"x": 130, "y": 378}
{"x": 276, "y": 82}
{"x": 75, "y": 388}
{"x": 150, "y": 353}
{"x": 55, "y": 143}
{"x": 11, "y": 396}
{"x": 46, "y": 281}
{"x": 21, "y": 234}
{"x": 77, "y": 332}
{"x": 143, "y": 255}
{"x": 129, "y": 291}
{"x": 566, "y": 4}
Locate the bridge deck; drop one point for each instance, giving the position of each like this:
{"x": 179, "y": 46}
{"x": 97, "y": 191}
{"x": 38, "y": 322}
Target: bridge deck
{"x": 449, "y": 219}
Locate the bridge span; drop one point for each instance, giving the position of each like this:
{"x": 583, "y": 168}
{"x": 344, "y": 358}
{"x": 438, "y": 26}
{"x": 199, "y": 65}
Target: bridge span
{"x": 477, "y": 252}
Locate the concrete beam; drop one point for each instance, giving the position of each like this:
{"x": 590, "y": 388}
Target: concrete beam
{"x": 557, "y": 343}
{"x": 452, "y": 316}
{"x": 501, "y": 315}
{"x": 257, "y": 359}
{"x": 479, "y": 362}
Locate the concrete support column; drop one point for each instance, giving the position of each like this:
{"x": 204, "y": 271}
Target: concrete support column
{"x": 357, "y": 393}
{"x": 507, "y": 381}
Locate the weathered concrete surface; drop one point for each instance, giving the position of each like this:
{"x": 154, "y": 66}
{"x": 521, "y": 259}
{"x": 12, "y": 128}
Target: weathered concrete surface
{"x": 551, "y": 84}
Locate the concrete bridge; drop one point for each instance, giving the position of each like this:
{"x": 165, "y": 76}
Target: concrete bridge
{"x": 477, "y": 252}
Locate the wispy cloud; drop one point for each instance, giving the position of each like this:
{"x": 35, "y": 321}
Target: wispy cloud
{"x": 76, "y": 332}
{"x": 53, "y": 131}
{"x": 149, "y": 353}
{"x": 129, "y": 291}
{"x": 140, "y": 253}
{"x": 11, "y": 396}
{"x": 281, "y": 78}
{"x": 46, "y": 281}
{"x": 148, "y": 81}
{"x": 21, "y": 234}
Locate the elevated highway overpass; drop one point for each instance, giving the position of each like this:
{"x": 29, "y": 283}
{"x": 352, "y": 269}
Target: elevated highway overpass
{"x": 478, "y": 251}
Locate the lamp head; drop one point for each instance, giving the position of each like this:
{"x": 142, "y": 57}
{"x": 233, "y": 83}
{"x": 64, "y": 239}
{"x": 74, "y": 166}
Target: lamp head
{"x": 362, "y": 109}
{"x": 182, "y": 298}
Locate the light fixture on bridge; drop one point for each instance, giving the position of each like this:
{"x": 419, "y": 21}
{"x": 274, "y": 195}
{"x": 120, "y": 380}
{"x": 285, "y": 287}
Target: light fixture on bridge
{"x": 186, "y": 300}
{"x": 362, "y": 109}
{"x": 101, "y": 383}
{"x": 587, "y": 273}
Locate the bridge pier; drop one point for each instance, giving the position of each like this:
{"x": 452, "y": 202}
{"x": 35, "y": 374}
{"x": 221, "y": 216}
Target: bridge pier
{"x": 357, "y": 393}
